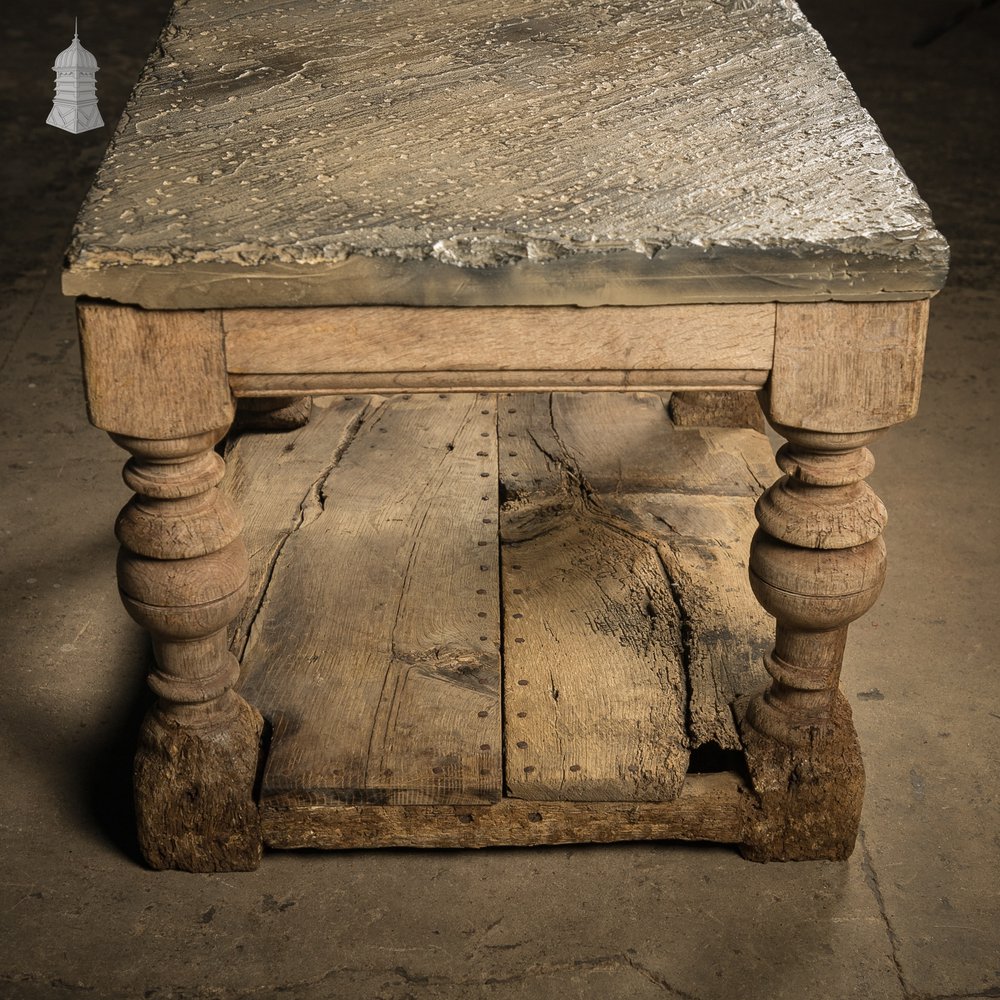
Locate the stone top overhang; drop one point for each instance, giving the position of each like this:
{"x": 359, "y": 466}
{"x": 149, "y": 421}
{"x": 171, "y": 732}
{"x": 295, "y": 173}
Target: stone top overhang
{"x": 527, "y": 153}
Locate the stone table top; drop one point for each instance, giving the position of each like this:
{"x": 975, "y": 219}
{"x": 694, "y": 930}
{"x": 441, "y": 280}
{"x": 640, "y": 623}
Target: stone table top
{"x": 313, "y": 152}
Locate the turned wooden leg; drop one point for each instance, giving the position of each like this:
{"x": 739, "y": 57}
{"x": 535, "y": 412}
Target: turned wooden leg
{"x": 272, "y": 413}
{"x": 182, "y": 573}
{"x": 157, "y": 382}
{"x": 842, "y": 371}
{"x": 817, "y": 563}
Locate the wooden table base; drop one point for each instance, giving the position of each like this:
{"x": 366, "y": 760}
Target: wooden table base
{"x": 479, "y": 620}
{"x": 462, "y": 605}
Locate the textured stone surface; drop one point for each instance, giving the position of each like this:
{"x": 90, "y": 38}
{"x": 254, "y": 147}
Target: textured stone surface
{"x": 655, "y": 151}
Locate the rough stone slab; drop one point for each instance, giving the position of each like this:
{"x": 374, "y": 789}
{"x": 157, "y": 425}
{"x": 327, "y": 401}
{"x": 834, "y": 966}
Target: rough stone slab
{"x": 427, "y": 154}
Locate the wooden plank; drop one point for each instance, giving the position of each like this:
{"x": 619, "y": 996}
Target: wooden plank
{"x": 617, "y": 528}
{"x": 153, "y": 374}
{"x": 404, "y": 339}
{"x": 847, "y": 367}
{"x": 276, "y": 480}
{"x": 690, "y": 491}
{"x": 374, "y": 653}
{"x": 493, "y": 381}
{"x": 712, "y": 807}
{"x": 726, "y": 632}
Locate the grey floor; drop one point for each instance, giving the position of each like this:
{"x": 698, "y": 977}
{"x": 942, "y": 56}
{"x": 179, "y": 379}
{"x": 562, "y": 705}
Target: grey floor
{"x": 914, "y": 914}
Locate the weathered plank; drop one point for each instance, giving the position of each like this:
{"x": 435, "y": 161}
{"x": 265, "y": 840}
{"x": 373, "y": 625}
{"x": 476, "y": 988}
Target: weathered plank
{"x": 374, "y": 651}
{"x": 691, "y": 491}
{"x": 714, "y": 807}
{"x": 629, "y": 622}
{"x": 277, "y": 480}
{"x": 402, "y": 339}
{"x": 457, "y": 154}
{"x": 594, "y": 687}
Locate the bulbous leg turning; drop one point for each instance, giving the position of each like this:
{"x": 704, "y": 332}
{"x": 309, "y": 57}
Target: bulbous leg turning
{"x": 817, "y": 563}
{"x": 182, "y": 574}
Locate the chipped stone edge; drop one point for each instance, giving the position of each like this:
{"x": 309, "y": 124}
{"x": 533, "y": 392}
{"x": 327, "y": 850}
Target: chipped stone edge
{"x": 680, "y": 275}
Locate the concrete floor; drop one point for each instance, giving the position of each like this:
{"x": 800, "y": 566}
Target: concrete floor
{"x": 913, "y": 915}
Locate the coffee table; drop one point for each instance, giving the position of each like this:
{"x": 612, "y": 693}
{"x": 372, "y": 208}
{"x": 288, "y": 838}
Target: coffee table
{"x": 313, "y": 198}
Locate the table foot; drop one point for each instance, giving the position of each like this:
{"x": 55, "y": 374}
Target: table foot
{"x": 809, "y": 796}
{"x": 192, "y": 789}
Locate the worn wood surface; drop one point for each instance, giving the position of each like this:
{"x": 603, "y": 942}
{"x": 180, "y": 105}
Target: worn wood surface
{"x": 716, "y": 409}
{"x": 375, "y": 383}
{"x": 847, "y": 367}
{"x": 629, "y": 622}
{"x": 594, "y": 683}
{"x": 809, "y": 796}
{"x": 153, "y": 374}
{"x": 677, "y": 150}
{"x": 193, "y": 789}
{"x": 373, "y": 553}
{"x": 373, "y": 647}
{"x": 277, "y": 479}
{"x": 714, "y": 807}
{"x": 400, "y": 339}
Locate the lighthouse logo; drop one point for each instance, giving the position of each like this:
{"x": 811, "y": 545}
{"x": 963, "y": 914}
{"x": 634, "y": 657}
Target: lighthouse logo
{"x": 75, "y": 106}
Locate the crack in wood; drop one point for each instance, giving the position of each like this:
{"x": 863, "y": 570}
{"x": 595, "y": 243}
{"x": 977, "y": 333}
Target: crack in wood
{"x": 466, "y": 669}
{"x": 636, "y": 756}
{"x": 590, "y": 622}
{"x": 312, "y": 505}
{"x": 685, "y": 637}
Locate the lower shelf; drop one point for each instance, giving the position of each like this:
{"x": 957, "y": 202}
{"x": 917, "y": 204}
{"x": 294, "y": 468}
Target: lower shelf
{"x": 482, "y": 620}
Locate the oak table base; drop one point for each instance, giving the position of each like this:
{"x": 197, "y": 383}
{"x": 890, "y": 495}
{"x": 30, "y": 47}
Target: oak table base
{"x": 816, "y": 563}
{"x": 688, "y": 199}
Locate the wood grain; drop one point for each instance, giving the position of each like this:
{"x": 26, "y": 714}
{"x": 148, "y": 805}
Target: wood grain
{"x": 153, "y": 374}
{"x": 629, "y": 623}
{"x": 299, "y": 153}
{"x": 713, "y": 807}
{"x": 847, "y": 367}
{"x": 716, "y": 409}
{"x": 374, "y": 652}
{"x": 400, "y": 339}
{"x": 279, "y": 479}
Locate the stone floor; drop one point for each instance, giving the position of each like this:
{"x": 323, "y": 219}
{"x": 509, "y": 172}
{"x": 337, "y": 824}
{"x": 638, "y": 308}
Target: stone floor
{"x": 913, "y": 915}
